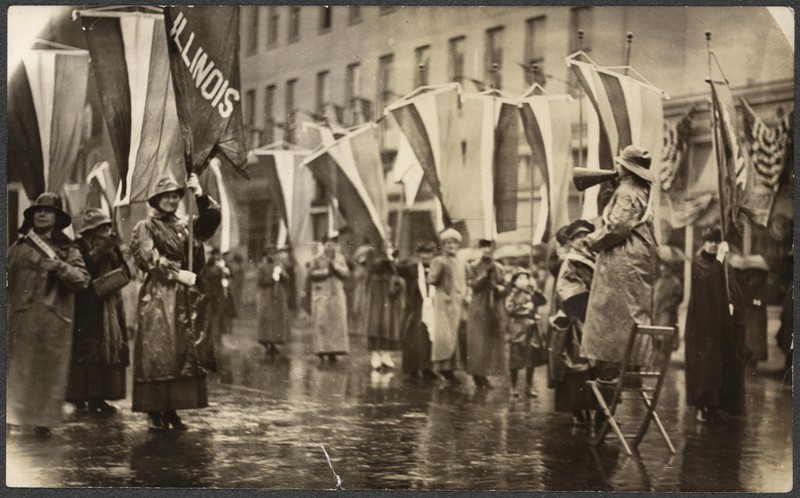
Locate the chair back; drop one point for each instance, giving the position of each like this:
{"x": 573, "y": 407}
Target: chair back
{"x": 649, "y": 350}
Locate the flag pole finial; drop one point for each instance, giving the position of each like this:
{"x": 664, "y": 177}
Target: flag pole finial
{"x": 628, "y": 46}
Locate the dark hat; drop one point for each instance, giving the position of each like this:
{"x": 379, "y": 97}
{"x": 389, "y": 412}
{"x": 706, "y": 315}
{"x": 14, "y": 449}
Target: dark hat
{"x": 51, "y": 201}
{"x": 519, "y": 272}
{"x": 485, "y": 243}
{"x": 636, "y": 160}
{"x": 425, "y": 246}
{"x": 578, "y": 227}
{"x": 165, "y": 184}
{"x": 711, "y": 234}
{"x": 562, "y": 235}
{"x": 93, "y": 218}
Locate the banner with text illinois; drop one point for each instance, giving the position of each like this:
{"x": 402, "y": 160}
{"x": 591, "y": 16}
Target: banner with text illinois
{"x": 204, "y": 61}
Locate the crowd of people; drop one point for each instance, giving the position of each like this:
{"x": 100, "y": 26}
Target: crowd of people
{"x": 572, "y": 311}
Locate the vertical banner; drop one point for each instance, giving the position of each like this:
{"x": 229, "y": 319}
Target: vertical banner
{"x": 548, "y": 130}
{"x": 203, "y": 51}
{"x": 46, "y": 97}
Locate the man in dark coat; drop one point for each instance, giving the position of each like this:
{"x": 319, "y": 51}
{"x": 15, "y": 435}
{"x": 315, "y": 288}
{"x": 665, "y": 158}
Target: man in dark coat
{"x": 714, "y": 336}
{"x": 418, "y": 314}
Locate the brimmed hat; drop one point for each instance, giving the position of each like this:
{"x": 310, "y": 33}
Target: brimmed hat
{"x": 485, "y": 243}
{"x": 711, "y": 234}
{"x": 51, "y": 201}
{"x": 93, "y": 218}
{"x": 519, "y": 272}
{"x": 425, "y": 246}
{"x": 450, "y": 234}
{"x": 578, "y": 227}
{"x": 164, "y": 185}
{"x": 636, "y": 160}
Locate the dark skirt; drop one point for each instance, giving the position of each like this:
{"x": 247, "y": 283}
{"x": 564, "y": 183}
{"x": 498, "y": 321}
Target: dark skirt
{"x": 416, "y": 348}
{"x": 178, "y": 394}
{"x": 88, "y": 382}
{"x": 572, "y": 393}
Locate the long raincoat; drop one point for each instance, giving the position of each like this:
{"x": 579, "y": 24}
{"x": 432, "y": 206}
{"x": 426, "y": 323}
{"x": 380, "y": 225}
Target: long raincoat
{"x": 41, "y": 306}
{"x": 169, "y": 368}
{"x": 622, "y": 289}
{"x": 449, "y": 276}
{"x": 274, "y": 289}
{"x": 486, "y": 319}
{"x": 418, "y": 310}
{"x": 100, "y": 352}
{"x": 384, "y": 303}
{"x": 329, "y": 304}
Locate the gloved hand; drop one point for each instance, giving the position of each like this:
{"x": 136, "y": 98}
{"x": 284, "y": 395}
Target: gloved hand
{"x": 193, "y": 184}
{"x": 722, "y": 251}
{"x": 186, "y": 277}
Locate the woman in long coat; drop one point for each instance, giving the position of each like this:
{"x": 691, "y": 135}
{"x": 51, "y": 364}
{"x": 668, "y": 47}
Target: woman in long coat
{"x": 328, "y": 302}
{"x": 169, "y": 365}
{"x": 418, "y": 312}
{"x": 100, "y": 341}
{"x": 274, "y": 288}
{"x": 45, "y": 269}
{"x": 384, "y": 303}
{"x": 486, "y": 318}
{"x": 622, "y": 289}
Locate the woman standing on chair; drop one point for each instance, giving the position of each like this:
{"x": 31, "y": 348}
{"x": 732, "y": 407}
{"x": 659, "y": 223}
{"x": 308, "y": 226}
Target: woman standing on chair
{"x": 169, "y": 370}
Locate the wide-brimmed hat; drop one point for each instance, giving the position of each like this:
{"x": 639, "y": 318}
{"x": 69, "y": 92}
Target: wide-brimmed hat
{"x": 636, "y": 160}
{"x": 425, "y": 246}
{"x": 711, "y": 234}
{"x": 164, "y": 185}
{"x": 93, "y": 218}
{"x": 578, "y": 227}
{"x": 450, "y": 234}
{"x": 53, "y": 202}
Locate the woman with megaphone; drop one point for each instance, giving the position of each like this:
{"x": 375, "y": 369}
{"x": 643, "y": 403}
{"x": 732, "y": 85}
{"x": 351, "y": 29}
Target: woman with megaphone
{"x": 625, "y": 272}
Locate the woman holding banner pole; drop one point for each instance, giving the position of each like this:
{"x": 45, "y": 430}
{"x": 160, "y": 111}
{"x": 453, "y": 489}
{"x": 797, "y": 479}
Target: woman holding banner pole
{"x": 169, "y": 366}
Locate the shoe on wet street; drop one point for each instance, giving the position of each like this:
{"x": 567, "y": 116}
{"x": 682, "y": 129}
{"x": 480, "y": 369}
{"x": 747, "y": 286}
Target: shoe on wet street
{"x": 386, "y": 360}
{"x": 155, "y": 422}
{"x": 375, "y": 361}
{"x": 171, "y": 419}
{"x": 101, "y": 407}
{"x": 531, "y": 393}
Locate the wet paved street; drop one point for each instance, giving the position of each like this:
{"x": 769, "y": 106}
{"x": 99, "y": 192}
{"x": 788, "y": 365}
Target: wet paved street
{"x": 271, "y": 424}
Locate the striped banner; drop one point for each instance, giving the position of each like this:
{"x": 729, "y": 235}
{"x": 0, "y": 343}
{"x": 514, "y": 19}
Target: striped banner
{"x": 130, "y": 64}
{"x": 428, "y": 117}
{"x": 548, "y": 129}
{"x": 490, "y": 171}
{"x": 290, "y": 185}
{"x": 351, "y": 169}
{"x": 407, "y": 170}
{"x": 732, "y": 173}
{"x": 46, "y": 98}
{"x": 630, "y": 111}
{"x": 102, "y": 188}
{"x": 213, "y": 184}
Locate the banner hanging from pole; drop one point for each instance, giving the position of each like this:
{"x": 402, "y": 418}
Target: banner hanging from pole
{"x": 204, "y": 61}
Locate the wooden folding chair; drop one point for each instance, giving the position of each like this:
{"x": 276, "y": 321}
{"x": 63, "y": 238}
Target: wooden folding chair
{"x": 644, "y": 368}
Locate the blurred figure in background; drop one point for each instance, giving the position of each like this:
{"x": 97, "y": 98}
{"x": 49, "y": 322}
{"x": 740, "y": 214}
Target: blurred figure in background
{"x": 384, "y": 300}
{"x": 527, "y": 348}
{"x": 418, "y": 315}
{"x": 667, "y": 298}
{"x": 216, "y": 275}
{"x": 327, "y": 274}
{"x": 274, "y": 288}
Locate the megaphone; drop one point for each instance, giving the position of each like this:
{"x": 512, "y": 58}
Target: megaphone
{"x": 584, "y": 178}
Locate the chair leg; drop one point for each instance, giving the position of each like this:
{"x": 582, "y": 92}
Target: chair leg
{"x": 651, "y": 413}
{"x": 610, "y": 420}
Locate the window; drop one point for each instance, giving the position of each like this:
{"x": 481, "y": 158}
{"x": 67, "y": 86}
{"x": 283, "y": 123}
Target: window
{"x": 322, "y": 92}
{"x": 325, "y": 19}
{"x": 252, "y": 31}
{"x": 385, "y": 93}
{"x": 290, "y": 110}
{"x": 422, "y": 59}
{"x": 273, "y": 26}
{"x": 580, "y": 19}
{"x": 249, "y": 108}
{"x": 269, "y": 114}
{"x": 360, "y": 109}
{"x": 534, "y": 50}
{"x": 456, "y": 59}
{"x": 494, "y": 57}
{"x": 294, "y": 24}
{"x": 354, "y": 14}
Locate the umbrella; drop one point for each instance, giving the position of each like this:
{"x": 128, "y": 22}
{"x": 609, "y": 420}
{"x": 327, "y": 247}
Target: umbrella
{"x": 519, "y": 250}
{"x": 671, "y": 254}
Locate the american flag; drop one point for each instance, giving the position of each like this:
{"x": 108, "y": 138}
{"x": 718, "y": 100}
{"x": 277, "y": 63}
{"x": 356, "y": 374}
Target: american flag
{"x": 676, "y": 144}
{"x": 766, "y": 146}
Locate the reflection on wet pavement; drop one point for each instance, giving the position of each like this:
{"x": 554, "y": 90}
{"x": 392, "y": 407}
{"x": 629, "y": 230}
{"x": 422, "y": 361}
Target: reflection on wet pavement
{"x": 267, "y": 420}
